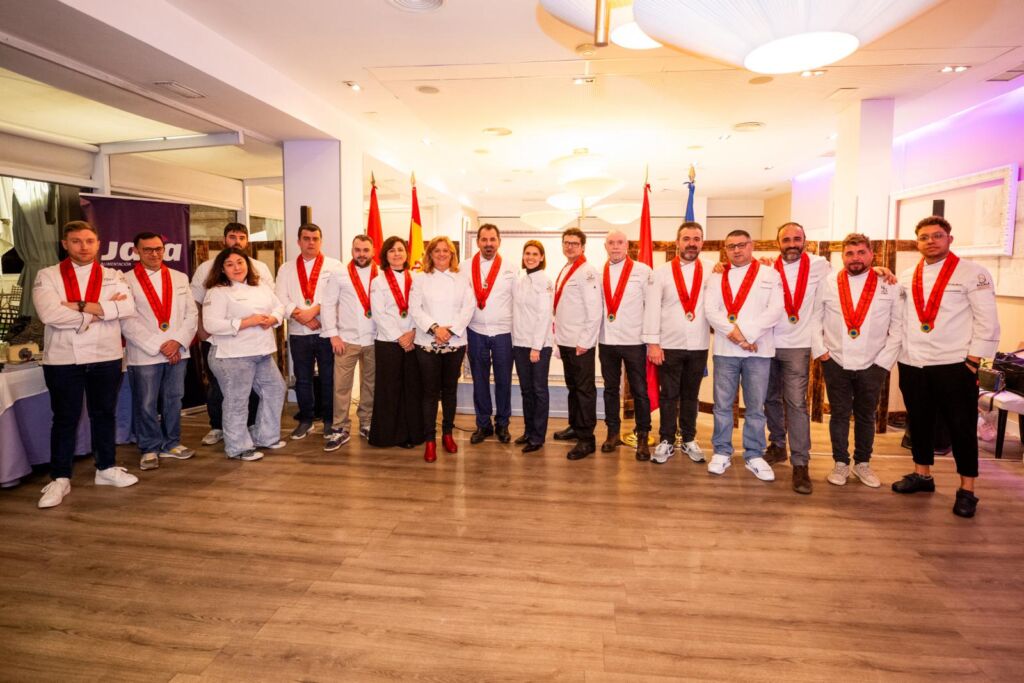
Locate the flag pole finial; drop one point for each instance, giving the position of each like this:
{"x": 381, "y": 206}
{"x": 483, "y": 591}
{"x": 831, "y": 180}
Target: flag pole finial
{"x": 373, "y": 180}
{"x": 414, "y": 178}
{"x": 693, "y": 173}
{"x": 647, "y": 174}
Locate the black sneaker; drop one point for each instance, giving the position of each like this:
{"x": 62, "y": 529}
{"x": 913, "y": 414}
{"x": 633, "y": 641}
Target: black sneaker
{"x": 914, "y": 483}
{"x": 966, "y": 503}
{"x": 302, "y": 430}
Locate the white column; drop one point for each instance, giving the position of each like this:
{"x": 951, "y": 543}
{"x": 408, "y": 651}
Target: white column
{"x": 864, "y": 173}
{"x": 312, "y": 177}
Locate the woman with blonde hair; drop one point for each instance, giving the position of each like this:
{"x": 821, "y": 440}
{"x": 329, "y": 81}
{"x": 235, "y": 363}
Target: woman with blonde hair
{"x": 531, "y": 343}
{"x": 441, "y": 305}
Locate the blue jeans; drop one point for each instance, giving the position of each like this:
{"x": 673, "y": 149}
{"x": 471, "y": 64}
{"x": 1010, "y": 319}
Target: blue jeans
{"x": 98, "y": 384}
{"x": 156, "y": 404}
{"x": 307, "y": 349}
{"x": 482, "y": 352}
{"x": 533, "y": 384}
{"x": 237, "y": 377}
{"x": 730, "y": 374}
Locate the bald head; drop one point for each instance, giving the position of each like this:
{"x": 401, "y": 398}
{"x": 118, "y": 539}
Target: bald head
{"x": 617, "y": 245}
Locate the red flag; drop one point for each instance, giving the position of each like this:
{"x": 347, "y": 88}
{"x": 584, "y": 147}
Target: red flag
{"x": 373, "y": 229}
{"x": 646, "y": 255}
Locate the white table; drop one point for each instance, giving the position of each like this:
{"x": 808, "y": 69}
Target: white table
{"x": 1005, "y": 402}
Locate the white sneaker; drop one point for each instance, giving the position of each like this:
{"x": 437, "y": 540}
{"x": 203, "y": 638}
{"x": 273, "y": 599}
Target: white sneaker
{"x": 862, "y": 471}
{"x": 212, "y": 437}
{"x": 365, "y": 432}
{"x": 248, "y": 456}
{"x": 274, "y": 446}
{"x": 149, "y": 461}
{"x": 719, "y": 463}
{"x": 693, "y": 450}
{"x": 761, "y": 469}
{"x": 839, "y": 474}
{"x": 54, "y": 492}
{"x": 115, "y": 476}
{"x": 178, "y": 453}
{"x": 662, "y": 452}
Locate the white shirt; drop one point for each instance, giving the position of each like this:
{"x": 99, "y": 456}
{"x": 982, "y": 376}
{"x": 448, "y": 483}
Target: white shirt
{"x": 203, "y": 271}
{"x": 390, "y": 324}
{"x": 496, "y": 316}
{"x": 880, "y": 335}
{"x": 73, "y": 338}
{"x": 759, "y": 314}
{"x": 341, "y": 312}
{"x": 223, "y": 311}
{"x": 665, "y": 320}
{"x": 627, "y": 328}
{"x": 967, "y": 323}
{"x": 142, "y": 331}
{"x": 445, "y": 298}
{"x": 531, "y": 310}
{"x": 798, "y": 336}
{"x": 578, "y": 318}
{"x": 290, "y": 293}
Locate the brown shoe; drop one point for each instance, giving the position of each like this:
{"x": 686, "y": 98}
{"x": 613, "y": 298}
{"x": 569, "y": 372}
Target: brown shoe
{"x": 643, "y": 451}
{"x": 775, "y": 454}
{"x": 611, "y": 443}
{"x": 801, "y": 479}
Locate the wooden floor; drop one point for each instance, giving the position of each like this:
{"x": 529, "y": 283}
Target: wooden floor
{"x": 372, "y": 565}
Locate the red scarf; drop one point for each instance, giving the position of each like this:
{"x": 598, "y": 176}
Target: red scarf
{"x": 794, "y": 300}
{"x": 927, "y": 313}
{"x": 854, "y": 317}
{"x": 401, "y": 301}
{"x": 483, "y": 290}
{"x": 161, "y": 307}
{"x": 732, "y": 307}
{"x": 92, "y": 289}
{"x": 612, "y": 301}
{"x": 308, "y": 285}
{"x": 357, "y": 284}
{"x": 688, "y": 299}
{"x": 561, "y": 285}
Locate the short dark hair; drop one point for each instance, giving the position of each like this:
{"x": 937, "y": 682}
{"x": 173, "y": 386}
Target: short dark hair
{"x": 235, "y": 227}
{"x": 75, "y": 226}
{"x": 488, "y": 226}
{"x": 738, "y": 233}
{"x": 310, "y": 227}
{"x": 575, "y": 232}
{"x": 543, "y": 256}
{"x": 690, "y": 225}
{"x": 362, "y": 237}
{"x": 856, "y": 238}
{"x": 786, "y": 225}
{"x": 386, "y": 247}
{"x": 217, "y": 277}
{"x": 147, "y": 236}
{"x": 934, "y": 220}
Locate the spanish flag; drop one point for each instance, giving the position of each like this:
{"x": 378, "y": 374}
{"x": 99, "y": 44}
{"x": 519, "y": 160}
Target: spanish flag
{"x": 415, "y": 232}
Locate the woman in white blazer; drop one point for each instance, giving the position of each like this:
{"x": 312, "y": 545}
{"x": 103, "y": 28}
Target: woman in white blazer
{"x": 532, "y": 301}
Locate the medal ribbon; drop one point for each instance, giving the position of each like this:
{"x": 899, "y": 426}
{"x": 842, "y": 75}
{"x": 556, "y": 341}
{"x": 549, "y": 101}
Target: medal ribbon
{"x": 92, "y": 289}
{"x": 795, "y": 300}
{"x": 308, "y": 286}
{"x": 401, "y": 301}
{"x": 483, "y": 291}
{"x": 927, "y": 313}
{"x": 612, "y": 301}
{"x": 854, "y": 317}
{"x": 561, "y": 285}
{"x": 161, "y": 308}
{"x": 688, "y": 300}
{"x": 357, "y": 284}
{"x": 733, "y": 307}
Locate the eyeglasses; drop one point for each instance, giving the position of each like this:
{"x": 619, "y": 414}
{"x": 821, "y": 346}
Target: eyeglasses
{"x": 934, "y": 237}
{"x": 572, "y": 244}
{"x": 737, "y": 246}
{"x": 152, "y": 250}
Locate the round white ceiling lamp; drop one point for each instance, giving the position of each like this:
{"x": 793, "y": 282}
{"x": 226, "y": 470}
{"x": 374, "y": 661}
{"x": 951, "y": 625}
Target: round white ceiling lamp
{"x": 766, "y": 36}
{"x": 566, "y": 201}
{"x": 548, "y": 220}
{"x": 625, "y": 32}
{"x": 618, "y": 214}
{"x": 593, "y": 186}
{"x": 629, "y": 34}
{"x": 580, "y": 164}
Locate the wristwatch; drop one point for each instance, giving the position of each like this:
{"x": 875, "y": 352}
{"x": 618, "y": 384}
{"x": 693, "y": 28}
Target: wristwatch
{"x": 81, "y": 306}
{"x": 432, "y": 329}
{"x": 973, "y": 364}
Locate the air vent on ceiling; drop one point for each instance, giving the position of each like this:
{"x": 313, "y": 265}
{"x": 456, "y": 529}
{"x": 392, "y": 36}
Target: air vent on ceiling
{"x": 1010, "y": 74}
{"x": 180, "y": 90}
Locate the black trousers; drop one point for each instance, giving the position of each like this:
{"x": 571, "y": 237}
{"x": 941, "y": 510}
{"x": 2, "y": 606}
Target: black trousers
{"x": 579, "y": 380}
{"x": 312, "y": 354}
{"x": 948, "y": 393}
{"x": 533, "y": 385}
{"x": 439, "y": 373}
{"x": 99, "y": 384}
{"x": 634, "y": 357}
{"x": 679, "y": 377}
{"x": 215, "y": 399}
{"x": 397, "y": 397}
{"x": 852, "y": 392}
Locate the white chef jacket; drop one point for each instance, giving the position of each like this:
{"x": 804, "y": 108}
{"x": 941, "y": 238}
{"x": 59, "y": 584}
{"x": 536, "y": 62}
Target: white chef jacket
{"x": 531, "y": 310}
{"x": 441, "y": 297}
{"x": 203, "y": 271}
{"x": 967, "y": 323}
{"x": 290, "y": 293}
{"x": 496, "y": 316}
{"x": 756, "y": 319}
{"x": 73, "y": 338}
{"x": 798, "y": 336}
{"x": 578, "y": 318}
{"x": 880, "y": 335}
{"x": 390, "y": 324}
{"x": 627, "y": 328}
{"x": 665, "y": 320}
{"x": 142, "y": 331}
{"x": 341, "y": 312}
{"x": 223, "y": 311}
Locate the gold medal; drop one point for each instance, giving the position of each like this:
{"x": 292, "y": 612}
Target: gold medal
{"x": 854, "y": 333}
{"x": 794, "y": 319}
{"x": 611, "y": 317}
{"x": 732, "y": 317}
{"x": 689, "y": 316}
{"x": 926, "y": 328}
{"x": 164, "y": 327}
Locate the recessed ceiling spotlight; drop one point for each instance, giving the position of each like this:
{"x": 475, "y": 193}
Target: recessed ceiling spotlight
{"x": 580, "y": 151}
{"x": 426, "y": 141}
{"x": 957, "y": 68}
{"x": 833, "y": 136}
{"x": 583, "y": 80}
{"x": 586, "y": 49}
{"x": 417, "y": 5}
{"x": 353, "y": 86}
{"x": 748, "y": 126}
{"x": 427, "y": 89}
{"x": 760, "y": 80}
{"x": 497, "y": 132}
{"x": 810, "y": 74}
{"x": 768, "y": 168}
{"x": 481, "y": 150}
{"x": 695, "y": 147}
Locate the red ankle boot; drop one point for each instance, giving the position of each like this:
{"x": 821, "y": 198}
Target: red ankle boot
{"x": 449, "y": 443}
{"x": 430, "y": 452}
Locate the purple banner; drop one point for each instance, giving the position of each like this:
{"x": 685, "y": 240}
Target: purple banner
{"x": 119, "y": 219}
